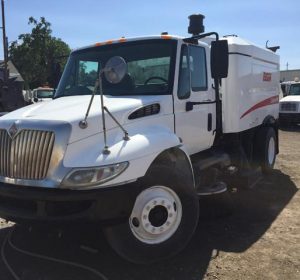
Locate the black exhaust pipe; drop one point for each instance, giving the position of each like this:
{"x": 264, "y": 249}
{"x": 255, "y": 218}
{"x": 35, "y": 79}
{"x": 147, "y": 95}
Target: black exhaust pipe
{"x": 196, "y": 26}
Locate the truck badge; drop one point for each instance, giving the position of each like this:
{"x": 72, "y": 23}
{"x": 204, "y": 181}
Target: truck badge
{"x": 13, "y": 130}
{"x": 267, "y": 77}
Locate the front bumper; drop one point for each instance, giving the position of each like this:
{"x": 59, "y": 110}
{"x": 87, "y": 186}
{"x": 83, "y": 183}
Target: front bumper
{"x": 289, "y": 117}
{"x": 32, "y": 205}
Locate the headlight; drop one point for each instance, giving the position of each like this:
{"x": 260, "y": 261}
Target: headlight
{"x": 85, "y": 177}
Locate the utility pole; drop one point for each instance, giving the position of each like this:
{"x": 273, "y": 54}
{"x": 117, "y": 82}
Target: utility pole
{"x": 5, "y": 47}
{"x": 287, "y": 66}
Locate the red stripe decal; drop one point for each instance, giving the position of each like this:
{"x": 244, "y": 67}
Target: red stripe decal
{"x": 266, "y": 102}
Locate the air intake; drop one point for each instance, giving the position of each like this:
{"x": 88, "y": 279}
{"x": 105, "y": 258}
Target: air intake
{"x": 148, "y": 110}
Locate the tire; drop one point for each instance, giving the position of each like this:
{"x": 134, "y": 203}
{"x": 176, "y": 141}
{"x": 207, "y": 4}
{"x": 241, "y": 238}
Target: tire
{"x": 266, "y": 148}
{"x": 174, "y": 218}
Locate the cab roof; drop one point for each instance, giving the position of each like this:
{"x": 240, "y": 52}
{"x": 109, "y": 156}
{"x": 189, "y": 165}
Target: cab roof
{"x": 124, "y": 40}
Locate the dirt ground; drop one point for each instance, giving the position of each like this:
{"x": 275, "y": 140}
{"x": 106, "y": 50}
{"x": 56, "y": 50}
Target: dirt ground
{"x": 259, "y": 240}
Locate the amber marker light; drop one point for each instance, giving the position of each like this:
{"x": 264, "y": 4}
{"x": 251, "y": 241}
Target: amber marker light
{"x": 122, "y": 40}
{"x": 166, "y": 36}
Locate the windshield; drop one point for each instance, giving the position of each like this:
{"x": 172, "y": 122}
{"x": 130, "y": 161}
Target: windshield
{"x": 295, "y": 89}
{"x": 150, "y": 69}
{"x": 44, "y": 93}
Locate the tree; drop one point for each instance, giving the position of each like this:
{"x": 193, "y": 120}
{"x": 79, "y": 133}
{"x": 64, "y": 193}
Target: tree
{"x": 39, "y": 57}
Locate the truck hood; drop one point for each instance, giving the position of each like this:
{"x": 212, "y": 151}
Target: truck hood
{"x": 72, "y": 109}
{"x": 291, "y": 98}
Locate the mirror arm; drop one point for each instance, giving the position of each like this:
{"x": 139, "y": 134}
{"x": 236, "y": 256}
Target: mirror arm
{"x": 200, "y": 36}
{"x": 83, "y": 123}
{"x": 219, "y": 119}
{"x": 109, "y": 67}
{"x": 105, "y": 151}
{"x": 126, "y": 137}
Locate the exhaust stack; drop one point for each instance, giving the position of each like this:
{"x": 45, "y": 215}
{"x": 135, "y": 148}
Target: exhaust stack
{"x": 196, "y": 26}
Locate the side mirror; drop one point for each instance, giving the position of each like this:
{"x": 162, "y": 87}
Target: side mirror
{"x": 219, "y": 59}
{"x": 115, "y": 69}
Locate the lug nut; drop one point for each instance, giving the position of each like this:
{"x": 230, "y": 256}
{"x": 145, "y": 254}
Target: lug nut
{"x": 135, "y": 222}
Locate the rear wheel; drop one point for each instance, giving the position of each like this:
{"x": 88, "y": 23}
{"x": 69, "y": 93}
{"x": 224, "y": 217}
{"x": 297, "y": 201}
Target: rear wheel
{"x": 162, "y": 221}
{"x": 266, "y": 148}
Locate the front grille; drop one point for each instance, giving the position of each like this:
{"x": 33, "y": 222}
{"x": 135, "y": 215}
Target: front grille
{"x": 27, "y": 155}
{"x": 288, "y": 106}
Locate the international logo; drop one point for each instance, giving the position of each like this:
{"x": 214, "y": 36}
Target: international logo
{"x": 13, "y": 131}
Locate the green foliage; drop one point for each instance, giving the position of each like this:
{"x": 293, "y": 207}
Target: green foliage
{"x": 39, "y": 57}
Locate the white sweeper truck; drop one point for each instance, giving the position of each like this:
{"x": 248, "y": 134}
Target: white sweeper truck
{"x": 138, "y": 129}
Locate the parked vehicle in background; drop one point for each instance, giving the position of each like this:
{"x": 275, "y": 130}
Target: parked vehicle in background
{"x": 138, "y": 130}
{"x": 42, "y": 94}
{"x": 285, "y": 86}
{"x": 27, "y": 94}
{"x": 289, "y": 106}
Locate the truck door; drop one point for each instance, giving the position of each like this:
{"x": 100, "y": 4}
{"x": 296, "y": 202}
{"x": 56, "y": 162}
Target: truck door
{"x": 194, "y": 104}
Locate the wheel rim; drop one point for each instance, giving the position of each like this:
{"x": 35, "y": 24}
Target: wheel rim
{"x": 156, "y": 215}
{"x": 271, "y": 150}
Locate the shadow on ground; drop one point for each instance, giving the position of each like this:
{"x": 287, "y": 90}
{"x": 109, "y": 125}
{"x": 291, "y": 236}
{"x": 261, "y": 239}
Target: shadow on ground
{"x": 255, "y": 210}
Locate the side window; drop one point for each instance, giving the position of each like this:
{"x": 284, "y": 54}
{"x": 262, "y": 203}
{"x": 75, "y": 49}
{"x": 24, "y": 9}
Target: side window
{"x": 184, "y": 90}
{"x": 198, "y": 68}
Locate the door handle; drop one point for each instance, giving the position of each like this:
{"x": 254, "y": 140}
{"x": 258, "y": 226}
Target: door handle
{"x": 189, "y": 106}
{"x": 209, "y": 122}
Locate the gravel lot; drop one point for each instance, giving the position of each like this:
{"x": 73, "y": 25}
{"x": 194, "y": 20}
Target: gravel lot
{"x": 260, "y": 240}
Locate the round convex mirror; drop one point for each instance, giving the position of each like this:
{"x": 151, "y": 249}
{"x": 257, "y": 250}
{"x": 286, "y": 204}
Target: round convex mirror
{"x": 115, "y": 69}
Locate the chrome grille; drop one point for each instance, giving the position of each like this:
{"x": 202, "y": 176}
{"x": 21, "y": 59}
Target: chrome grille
{"x": 27, "y": 155}
{"x": 288, "y": 106}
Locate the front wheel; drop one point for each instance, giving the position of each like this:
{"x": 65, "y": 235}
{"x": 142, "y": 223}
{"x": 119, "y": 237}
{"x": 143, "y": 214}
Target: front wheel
{"x": 162, "y": 221}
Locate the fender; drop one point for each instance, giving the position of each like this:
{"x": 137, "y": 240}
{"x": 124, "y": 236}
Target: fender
{"x": 269, "y": 120}
{"x": 178, "y": 156}
{"x": 140, "y": 151}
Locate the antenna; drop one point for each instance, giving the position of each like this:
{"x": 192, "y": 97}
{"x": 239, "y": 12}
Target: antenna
{"x": 5, "y": 76}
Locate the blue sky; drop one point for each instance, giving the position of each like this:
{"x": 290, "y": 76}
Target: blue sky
{"x": 81, "y": 23}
